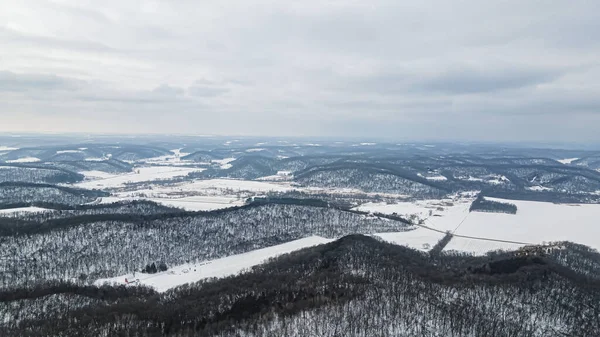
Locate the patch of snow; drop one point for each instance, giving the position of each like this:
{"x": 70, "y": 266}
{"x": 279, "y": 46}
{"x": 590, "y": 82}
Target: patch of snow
{"x": 191, "y": 203}
{"x": 230, "y": 188}
{"x": 498, "y": 180}
{"x": 420, "y": 238}
{"x": 281, "y": 175}
{"x": 68, "y": 151}
{"x": 139, "y": 175}
{"x": 470, "y": 178}
{"x": 567, "y": 161}
{"x": 479, "y": 247}
{"x": 30, "y": 209}
{"x": 491, "y": 179}
{"x": 538, "y": 188}
{"x": 97, "y": 174}
{"x": 24, "y": 160}
{"x": 236, "y": 185}
{"x": 437, "y": 178}
{"x": 227, "y": 266}
{"x": 170, "y": 159}
{"x": 224, "y": 163}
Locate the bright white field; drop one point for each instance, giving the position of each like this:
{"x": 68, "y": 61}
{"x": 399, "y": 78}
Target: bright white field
{"x": 145, "y": 174}
{"x": 478, "y": 247}
{"x": 420, "y": 238}
{"x": 225, "y": 163}
{"x": 24, "y": 160}
{"x": 201, "y": 195}
{"x": 231, "y": 265}
{"x": 567, "y": 160}
{"x": 200, "y": 203}
{"x": 14, "y": 211}
{"x": 444, "y": 215}
{"x": 192, "y": 203}
{"x": 535, "y": 222}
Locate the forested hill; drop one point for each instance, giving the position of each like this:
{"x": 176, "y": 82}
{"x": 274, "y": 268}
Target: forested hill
{"x": 355, "y": 286}
{"x": 92, "y": 246}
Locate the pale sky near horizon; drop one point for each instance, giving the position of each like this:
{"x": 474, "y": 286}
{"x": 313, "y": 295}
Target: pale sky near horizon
{"x": 467, "y": 70}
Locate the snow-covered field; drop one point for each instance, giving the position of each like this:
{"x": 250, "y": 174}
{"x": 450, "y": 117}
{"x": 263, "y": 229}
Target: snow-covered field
{"x": 420, "y": 238}
{"x": 536, "y": 222}
{"x": 479, "y": 247}
{"x": 173, "y": 159}
{"x": 15, "y": 211}
{"x": 231, "y": 265}
{"x": 225, "y": 163}
{"x": 434, "y": 177}
{"x": 567, "y": 160}
{"x": 192, "y": 203}
{"x": 139, "y": 175}
{"x": 201, "y": 195}
{"x": 443, "y": 215}
{"x": 24, "y": 160}
{"x": 200, "y": 203}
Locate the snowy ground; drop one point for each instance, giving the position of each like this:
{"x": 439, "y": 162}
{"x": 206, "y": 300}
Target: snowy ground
{"x": 231, "y": 265}
{"x": 567, "y": 160}
{"x": 173, "y": 159}
{"x": 479, "y": 247}
{"x": 201, "y": 195}
{"x": 24, "y": 160}
{"x": 534, "y": 223}
{"x": 100, "y": 181}
{"x": 16, "y": 211}
{"x": 420, "y": 238}
{"x": 192, "y": 203}
{"x": 443, "y": 215}
{"x": 224, "y": 163}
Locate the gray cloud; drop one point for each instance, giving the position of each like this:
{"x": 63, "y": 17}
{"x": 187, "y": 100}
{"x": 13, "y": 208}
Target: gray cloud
{"x": 472, "y": 70}
{"x": 167, "y": 90}
{"x": 206, "y": 91}
{"x": 466, "y": 81}
{"x": 10, "y": 81}
{"x": 455, "y": 80}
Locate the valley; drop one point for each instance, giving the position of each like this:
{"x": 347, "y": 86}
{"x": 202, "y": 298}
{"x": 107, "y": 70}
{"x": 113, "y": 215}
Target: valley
{"x": 141, "y": 219}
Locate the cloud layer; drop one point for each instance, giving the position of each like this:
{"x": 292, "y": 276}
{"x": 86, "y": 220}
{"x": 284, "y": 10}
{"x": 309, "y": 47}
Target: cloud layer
{"x": 470, "y": 70}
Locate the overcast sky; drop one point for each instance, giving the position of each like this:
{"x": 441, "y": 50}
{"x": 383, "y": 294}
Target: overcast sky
{"x": 398, "y": 69}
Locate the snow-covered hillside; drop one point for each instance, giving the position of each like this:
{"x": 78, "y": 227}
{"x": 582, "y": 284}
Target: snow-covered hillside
{"x": 231, "y": 265}
{"x": 142, "y": 174}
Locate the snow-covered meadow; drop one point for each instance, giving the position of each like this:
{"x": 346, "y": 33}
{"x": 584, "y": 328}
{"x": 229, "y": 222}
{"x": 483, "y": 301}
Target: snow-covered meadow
{"x": 227, "y": 266}
{"x": 102, "y": 180}
{"x": 534, "y": 223}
